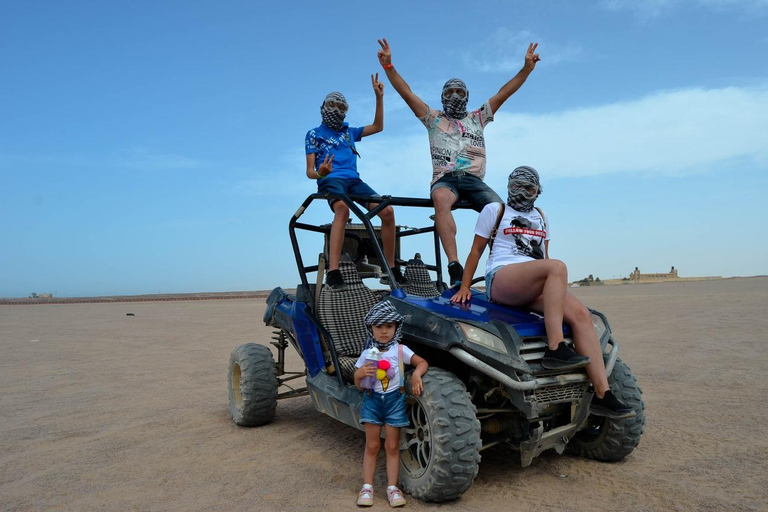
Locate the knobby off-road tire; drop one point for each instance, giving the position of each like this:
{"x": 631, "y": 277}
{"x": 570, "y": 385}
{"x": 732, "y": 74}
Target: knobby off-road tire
{"x": 252, "y": 385}
{"x": 441, "y": 454}
{"x": 610, "y": 440}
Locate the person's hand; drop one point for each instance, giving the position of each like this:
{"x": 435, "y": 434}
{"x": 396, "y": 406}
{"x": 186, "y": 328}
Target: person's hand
{"x": 417, "y": 386}
{"x": 385, "y": 55}
{"x": 326, "y": 167}
{"x": 463, "y": 295}
{"x": 531, "y": 57}
{"x": 378, "y": 87}
{"x": 368, "y": 370}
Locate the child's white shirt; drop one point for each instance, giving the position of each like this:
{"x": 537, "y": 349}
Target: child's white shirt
{"x": 388, "y": 385}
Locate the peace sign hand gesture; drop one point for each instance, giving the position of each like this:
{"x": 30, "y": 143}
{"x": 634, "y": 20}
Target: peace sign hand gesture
{"x": 378, "y": 87}
{"x": 531, "y": 58}
{"x": 326, "y": 167}
{"x": 385, "y": 54}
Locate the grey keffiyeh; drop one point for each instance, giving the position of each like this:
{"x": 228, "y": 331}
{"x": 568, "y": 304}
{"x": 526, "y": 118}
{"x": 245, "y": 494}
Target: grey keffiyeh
{"x": 381, "y": 313}
{"x": 454, "y": 105}
{"x": 333, "y": 118}
{"x": 520, "y": 180}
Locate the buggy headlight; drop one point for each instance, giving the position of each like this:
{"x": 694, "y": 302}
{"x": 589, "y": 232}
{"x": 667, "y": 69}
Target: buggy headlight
{"x": 599, "y": 325}
{"x": 484, "y": 338}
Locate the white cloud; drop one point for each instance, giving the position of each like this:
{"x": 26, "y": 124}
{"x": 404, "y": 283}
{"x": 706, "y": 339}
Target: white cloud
{"x": 672, "y": 132}
{"x": 653, "y": 8}
{"x": 684, "y": 131}
{"x": 504, "y": 51}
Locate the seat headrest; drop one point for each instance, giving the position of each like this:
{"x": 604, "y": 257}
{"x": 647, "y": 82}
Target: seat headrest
{"x": 349, "y": 272}
{"x": 416, "y": 271}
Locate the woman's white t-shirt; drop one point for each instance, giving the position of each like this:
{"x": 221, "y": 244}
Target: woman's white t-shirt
{"x": 520, "y": 237}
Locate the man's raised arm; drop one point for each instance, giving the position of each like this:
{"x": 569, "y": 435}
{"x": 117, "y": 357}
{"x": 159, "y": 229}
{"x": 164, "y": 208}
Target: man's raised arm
{"x": 511, "y": 87}
{"x": 414, "y": 102}
{"x": 378, "y": 118}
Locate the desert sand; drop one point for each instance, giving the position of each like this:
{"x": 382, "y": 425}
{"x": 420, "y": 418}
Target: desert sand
{"x": 103, "y": 411}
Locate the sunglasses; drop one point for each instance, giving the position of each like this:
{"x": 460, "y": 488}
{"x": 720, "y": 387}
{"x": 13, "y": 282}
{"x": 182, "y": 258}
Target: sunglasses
{"x": 461, "y": 93}
{"x": 335, "y": 105}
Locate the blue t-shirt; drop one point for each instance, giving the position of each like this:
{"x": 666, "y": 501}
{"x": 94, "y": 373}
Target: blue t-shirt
{"x": 323, "y": 141}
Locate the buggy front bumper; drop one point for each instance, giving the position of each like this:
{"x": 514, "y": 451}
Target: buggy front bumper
{"x": 534, "y": 383}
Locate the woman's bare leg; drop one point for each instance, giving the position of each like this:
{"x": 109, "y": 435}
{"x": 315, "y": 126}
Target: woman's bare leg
{"x": 578, "y": 317}
{"x": 516, "y": 285}
{"x": 540, "y": 281}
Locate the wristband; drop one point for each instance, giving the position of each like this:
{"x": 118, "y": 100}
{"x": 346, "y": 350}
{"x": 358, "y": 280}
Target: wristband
{"x": 387, "y": 66}
{"x": 318, "y": 174}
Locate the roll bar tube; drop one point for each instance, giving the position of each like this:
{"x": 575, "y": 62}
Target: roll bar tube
{"x": 365, "y": 218}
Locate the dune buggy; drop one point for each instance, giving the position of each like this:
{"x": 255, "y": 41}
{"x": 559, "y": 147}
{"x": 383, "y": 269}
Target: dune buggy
{"x": 485, "y": 386}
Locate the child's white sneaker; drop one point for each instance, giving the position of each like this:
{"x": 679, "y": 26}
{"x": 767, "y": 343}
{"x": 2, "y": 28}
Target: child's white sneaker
{"x": 365, "y": 498}
{"x": 395, "y": 496}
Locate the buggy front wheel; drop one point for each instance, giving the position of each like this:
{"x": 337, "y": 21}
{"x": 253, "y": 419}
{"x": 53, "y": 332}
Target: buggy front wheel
{"x": 252, "y": 385}
{"x": 440, "y": 449}
{"x": 607, "y": 439}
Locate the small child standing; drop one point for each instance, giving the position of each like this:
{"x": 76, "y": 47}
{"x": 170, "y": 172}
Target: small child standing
{"x": 385, "y": 403}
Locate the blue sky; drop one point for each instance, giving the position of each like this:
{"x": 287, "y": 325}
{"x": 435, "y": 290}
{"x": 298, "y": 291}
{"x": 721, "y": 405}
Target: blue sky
{"x": 157, "y": 147}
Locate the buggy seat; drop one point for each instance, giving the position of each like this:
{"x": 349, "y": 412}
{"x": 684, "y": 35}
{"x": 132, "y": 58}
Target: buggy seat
{"x": 342, "y": 313}
{"x": 418, "y": 281}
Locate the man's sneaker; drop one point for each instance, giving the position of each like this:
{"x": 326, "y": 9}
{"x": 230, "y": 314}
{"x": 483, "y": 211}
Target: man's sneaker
{"x": 455, "y": 272}
{"x": 365, "y": 498}
{"x": 401, "y": 280}
{"x": 335, "y": 281}
{"x": 563, "y": 358}
{"x": 610, "y": 406}
{"x": 395, "y": 496}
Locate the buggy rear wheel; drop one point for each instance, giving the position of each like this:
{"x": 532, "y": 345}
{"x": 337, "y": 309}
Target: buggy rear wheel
{"x": 610, "y": 440}
{"x": 440, "y": 449}
{"x": 252, "y": 385}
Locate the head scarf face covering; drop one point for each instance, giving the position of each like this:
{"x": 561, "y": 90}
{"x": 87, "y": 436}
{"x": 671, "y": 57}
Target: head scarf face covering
{"x": 520, "y": 180}
{"x": 455, "y": 102}
{"x": 381, "y": 313}
{"x": 333, "y": 116}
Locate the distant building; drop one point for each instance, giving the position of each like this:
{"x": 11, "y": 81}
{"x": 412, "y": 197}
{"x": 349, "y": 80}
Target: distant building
{"x": 637, "y": 276}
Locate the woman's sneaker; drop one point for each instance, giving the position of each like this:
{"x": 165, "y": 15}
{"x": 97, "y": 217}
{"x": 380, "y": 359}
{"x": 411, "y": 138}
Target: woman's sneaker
{"x": 610, "y": 406}
{"x": 365, "y": 498}
{"x": 395, "y": 496}
{"x": 563, "y": 358}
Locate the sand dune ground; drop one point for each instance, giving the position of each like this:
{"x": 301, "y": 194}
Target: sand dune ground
{"x": 102, "y": 411}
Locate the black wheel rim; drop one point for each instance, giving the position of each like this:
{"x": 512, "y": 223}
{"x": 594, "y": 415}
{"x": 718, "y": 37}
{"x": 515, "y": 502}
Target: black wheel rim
{"x": 594, "y": 431}
{"x": 416, "y": 451}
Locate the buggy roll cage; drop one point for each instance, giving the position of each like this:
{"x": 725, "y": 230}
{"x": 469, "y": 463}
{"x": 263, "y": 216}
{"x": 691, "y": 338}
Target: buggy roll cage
{"x": 365, "y": 218}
